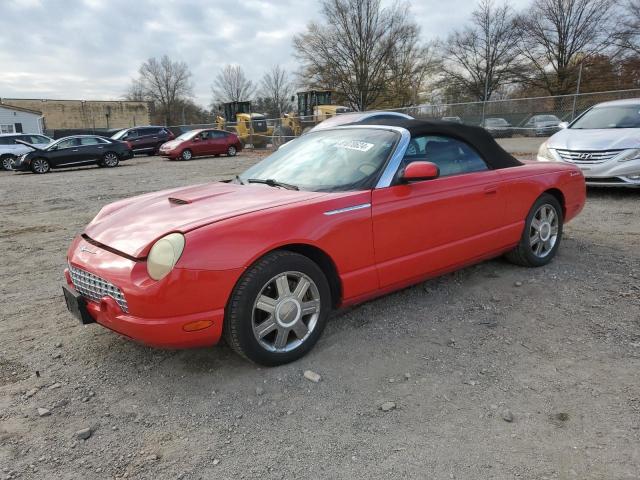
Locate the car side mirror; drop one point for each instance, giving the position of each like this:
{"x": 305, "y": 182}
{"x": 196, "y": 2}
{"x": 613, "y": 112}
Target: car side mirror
{"x": 416, "y": 171}
{"x": 563, "y": 125}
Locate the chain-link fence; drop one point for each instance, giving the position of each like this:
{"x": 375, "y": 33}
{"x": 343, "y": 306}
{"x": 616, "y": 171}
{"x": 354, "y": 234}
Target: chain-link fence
{"x": 539, "y": 116}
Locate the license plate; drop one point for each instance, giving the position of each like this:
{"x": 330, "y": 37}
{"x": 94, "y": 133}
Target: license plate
{"x": 77, "y": 305}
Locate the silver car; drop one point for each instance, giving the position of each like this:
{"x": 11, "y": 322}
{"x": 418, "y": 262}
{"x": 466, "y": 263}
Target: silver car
{"x": 10, "y": 150}
{"x": 604, "y": 142}
{"x": 359, "y": 117}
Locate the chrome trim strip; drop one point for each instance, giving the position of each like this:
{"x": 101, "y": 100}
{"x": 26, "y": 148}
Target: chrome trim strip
{"x": 348, "y": 209}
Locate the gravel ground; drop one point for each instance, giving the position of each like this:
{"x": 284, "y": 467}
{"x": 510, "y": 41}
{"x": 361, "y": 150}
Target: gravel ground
{"x": 494, "y": 371}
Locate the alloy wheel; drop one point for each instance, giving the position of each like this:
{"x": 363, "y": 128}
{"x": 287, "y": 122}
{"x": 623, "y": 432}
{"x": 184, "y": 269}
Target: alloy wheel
{"x": 286, "y": 311}
{"x": 110, "y": 159}
{"x": 40, "y": 165}
{"x": 186, "y": 155}
{"x": 231, "y": 151}
{"x": 543, "y": 233}
{"x": 7, "y": 162}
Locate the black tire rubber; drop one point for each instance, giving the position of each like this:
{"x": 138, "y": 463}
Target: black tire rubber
{"x": 522, "y": 254}
{"x": 237, "y": 330}
{"x": 5, "y": 158}
{"x": 182, "y": 155}
{"x": 48, "y": 169}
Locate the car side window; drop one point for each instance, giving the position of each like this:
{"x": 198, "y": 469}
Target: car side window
{"x": 84, "y": 141}
{"x": 68, "y": 143}
{"x": 452, "y": 156}
{"x": 132, "y": 134}
{"x": 217, "y": 135}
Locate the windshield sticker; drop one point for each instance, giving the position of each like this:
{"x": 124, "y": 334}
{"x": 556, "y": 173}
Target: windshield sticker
{"x": 355, "y": 145}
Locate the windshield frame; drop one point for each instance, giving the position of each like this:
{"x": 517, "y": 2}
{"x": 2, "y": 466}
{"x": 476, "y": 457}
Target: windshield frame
{"x": 389, "y": 166}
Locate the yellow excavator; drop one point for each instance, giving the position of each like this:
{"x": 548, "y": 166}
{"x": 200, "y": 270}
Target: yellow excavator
{"x": 250, "y": 127}
{"x": 314, "y": 106}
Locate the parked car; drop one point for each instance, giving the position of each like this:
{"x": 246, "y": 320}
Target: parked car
{"x": 337, "y": 217}
{"x": 542, "y": 126}
{"x": 201, "y": 142}
{"x": 74, "y": 151}
{"x": 497, "y": 127}
{"x": 452, "y": 119}
{"x": 10, "y": 149}
{"x": 358, "y": 117}
{"x": 145, "y": 139}
{"x": 604, "y": 142}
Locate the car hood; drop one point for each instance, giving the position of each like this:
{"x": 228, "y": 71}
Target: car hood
{"x": 131, "y": 226}
{"x": 29, "y": 145}
{"x": 171, "y": 144}
{"x": 596, "y": 139}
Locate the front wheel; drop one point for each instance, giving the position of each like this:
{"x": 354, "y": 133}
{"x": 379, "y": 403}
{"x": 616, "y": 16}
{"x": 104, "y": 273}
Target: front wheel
{"x": 7, "y": 162}
{"x": 542, "y": 233}
{"x": 40, "y": 165}
{"x": 278, "y": 309}
{"x": 231, "y": 151}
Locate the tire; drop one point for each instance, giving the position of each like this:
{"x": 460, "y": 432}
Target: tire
{"x": 110, "y": 160}
{"x": 40, "y": 165}
{"x": 6, "y": 163}
{"x": 542, "y": 234}
{"x": 231, "y": 151}
{"x": 285, "y": 338}
{"x": 186, "y": 154}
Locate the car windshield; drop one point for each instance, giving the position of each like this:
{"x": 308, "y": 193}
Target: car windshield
{"x": 188, "y": 135}
{"x": 547, "y": 118}
{"x": 119, "y": 135}
{"x": 621, "y": 116}
{"x": 329, "y": 160}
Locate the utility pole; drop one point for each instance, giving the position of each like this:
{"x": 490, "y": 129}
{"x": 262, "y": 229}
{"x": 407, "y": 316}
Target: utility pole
{"x": 575, "y": 97}
{"x": 484, "y": 99}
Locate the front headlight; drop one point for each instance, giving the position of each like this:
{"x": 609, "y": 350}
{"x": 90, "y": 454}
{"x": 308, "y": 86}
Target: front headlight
{"x": 544, "y": 154}
{"x": 630, "y": 155}
{"x": 164, "y": 254}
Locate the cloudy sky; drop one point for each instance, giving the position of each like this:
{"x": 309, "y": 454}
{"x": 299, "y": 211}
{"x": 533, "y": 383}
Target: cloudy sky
{"x": 91, "y": 49}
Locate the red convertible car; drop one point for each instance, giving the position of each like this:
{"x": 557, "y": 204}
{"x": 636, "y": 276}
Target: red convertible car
{"x": 331, "y": 219}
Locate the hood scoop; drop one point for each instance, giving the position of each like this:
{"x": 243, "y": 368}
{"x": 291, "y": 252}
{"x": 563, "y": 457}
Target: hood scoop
{"x": 178, "y": 201}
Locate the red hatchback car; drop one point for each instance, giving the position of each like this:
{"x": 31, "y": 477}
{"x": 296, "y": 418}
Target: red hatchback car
{"x": 333, "y": 218}
{"x": 198, "y": 143}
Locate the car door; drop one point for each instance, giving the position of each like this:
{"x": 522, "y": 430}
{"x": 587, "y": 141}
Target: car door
{"x": 427, "y": 227}
{"x": 91, "y": 149}
{"x": 65, "y": 153}
{"x": 219, "y": 142}
{"x": 134, "y": 138}
{"x": 199, "y": 143}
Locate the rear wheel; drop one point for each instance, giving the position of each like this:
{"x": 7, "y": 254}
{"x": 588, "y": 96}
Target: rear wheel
{"x": 7, "y": 162}
{"x": 40, "y": 165}
{"x": 186, "y": 155}
{"x": 231, "y": 151}
{"x": 110, "y": 160}
{"x": 542, "y": 233}
{"x": 278, "y": 309}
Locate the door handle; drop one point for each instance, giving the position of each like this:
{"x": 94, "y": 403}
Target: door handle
{"x": 491, "y": 190}
{"x": 74, "y": 150}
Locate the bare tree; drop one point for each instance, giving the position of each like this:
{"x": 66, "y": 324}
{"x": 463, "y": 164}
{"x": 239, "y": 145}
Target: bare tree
{"x": 277, "y": 88}
{"x": 409, "y": 68}
{"x": 559, "y": 35}
{"x": 352, "y": 48}
{"x": 231, "y": 85}
{"x": 628, "y": 36}
{"x": 482, "y": 57}
{"x": 135, "y": 92}
{"x": 163, "y": 82}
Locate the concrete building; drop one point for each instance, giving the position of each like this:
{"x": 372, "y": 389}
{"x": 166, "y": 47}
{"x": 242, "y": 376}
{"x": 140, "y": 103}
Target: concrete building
{"x": 20, "y": 120}
{"x": 85, "y": 114}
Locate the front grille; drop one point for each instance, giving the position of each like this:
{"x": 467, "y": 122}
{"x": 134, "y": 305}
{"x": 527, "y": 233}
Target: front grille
{"x": 94, "y": 288}
{"x": 587, "y": 157}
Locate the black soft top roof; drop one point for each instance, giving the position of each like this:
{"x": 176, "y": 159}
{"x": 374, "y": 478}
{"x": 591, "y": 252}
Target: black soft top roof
{"x": 477, "y": 137}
